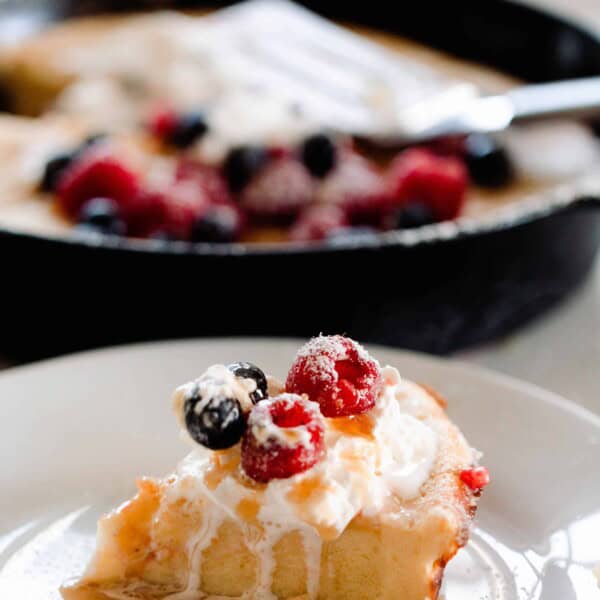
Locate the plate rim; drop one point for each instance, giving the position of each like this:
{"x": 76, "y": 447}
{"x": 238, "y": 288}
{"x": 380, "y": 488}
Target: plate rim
{"x": 546, "y": 396}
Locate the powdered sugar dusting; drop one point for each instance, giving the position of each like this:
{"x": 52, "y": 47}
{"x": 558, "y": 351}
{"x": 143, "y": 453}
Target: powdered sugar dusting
{"x": 283, "y": 186}
{"x": 265, "y": 431}
{"x": 216, "y": 382}
{"x": 320, "y": 355}
{"x": 337, "y": 373}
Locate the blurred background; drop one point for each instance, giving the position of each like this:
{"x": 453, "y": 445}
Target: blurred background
{"x": 521, "y": 298}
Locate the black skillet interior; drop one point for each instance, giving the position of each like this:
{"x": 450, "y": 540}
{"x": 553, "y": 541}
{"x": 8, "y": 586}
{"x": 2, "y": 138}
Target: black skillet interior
{"x": 435, "y": 296}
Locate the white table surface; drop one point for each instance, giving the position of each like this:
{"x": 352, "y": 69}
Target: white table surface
{"x": 561, "y": 350}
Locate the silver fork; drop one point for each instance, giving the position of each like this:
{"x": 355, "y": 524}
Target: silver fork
{"x": 359, "y": 87}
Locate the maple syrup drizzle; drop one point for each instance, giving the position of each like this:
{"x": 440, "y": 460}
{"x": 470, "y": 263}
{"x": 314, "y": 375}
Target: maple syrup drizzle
{"x": 223, "y": 464}
{"x": 357, "y": 425}
{"x": 306, "y": 489}
{"x": 248, "y": 508}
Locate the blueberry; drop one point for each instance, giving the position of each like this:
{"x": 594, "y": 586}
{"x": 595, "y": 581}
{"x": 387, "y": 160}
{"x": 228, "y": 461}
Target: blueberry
{"x": 219, "y": 225}
{"x": 218, "y": 424}
{"x": 57, "y": 165}
{"x": 319, "y": 154}
{"x": 102, "y": 215}
{"x": 241, "y": 164}
{"x": 247, "y": 370}
{"x": 343, "y": 234}
{"x": 488, "y": 163}
{"x": 413, "y": 214}
{"x": 190, "y": 127}
{"x": 54, "y": 169}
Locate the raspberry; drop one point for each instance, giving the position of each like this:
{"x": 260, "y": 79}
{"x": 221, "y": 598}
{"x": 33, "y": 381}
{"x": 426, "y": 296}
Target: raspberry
{"x": 163, "y": 122}
{"x": 207, "y": 177}
{"x": 172, "y": 210}
{"x": 337, "y": 373}
{"x": 97, "y": 175}
{"x": 285, "y": 436}
{"x": 281, "y": 188}
{"x": 315, "y": 222}
{"x": 278, "y": 152}
{"x": 356, "y": 186}
{"x": 439, "y": 181}
{"x": 476, "y": 478}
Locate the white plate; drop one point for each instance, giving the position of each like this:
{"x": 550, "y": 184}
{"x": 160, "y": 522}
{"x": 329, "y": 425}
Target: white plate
{"x": 76, "y": 431}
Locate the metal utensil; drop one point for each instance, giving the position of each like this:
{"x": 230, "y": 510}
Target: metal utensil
{"x": 354, "y": 85}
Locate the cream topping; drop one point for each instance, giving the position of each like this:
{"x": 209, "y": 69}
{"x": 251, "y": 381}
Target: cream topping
{"x": 386, "y": 453}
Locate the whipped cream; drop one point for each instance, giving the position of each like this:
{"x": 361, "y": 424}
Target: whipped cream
{"x": 386, "y": 452}
{"x": 370, "y": 459}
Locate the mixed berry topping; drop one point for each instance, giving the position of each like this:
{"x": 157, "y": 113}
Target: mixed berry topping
{"x": 247, "y": 370}
{"x": 312, "y": 192}
{"x": 475, "y": 478}
{"x": 216, "y": 422}
{"x": 285, "y": 436}
{"x": 337, "y": 373}
{"x": 319, "y": 154}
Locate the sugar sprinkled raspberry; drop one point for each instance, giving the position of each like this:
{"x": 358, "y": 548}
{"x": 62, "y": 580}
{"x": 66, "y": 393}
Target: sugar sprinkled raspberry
{"x": 337, "y": 373}
{"x": 207, "y": 178}
{"x": 281, "y": 188}
{"x": 356, "y": 186}
{"x": 172, "y": 209}
{"x": 476, "y": 478}
{"x": 316, "y": 221}
{"x": 284, "y": 436}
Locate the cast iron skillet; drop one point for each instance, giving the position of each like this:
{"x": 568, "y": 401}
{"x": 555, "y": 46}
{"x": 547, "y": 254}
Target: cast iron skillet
{"x": 435, "y": 289}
